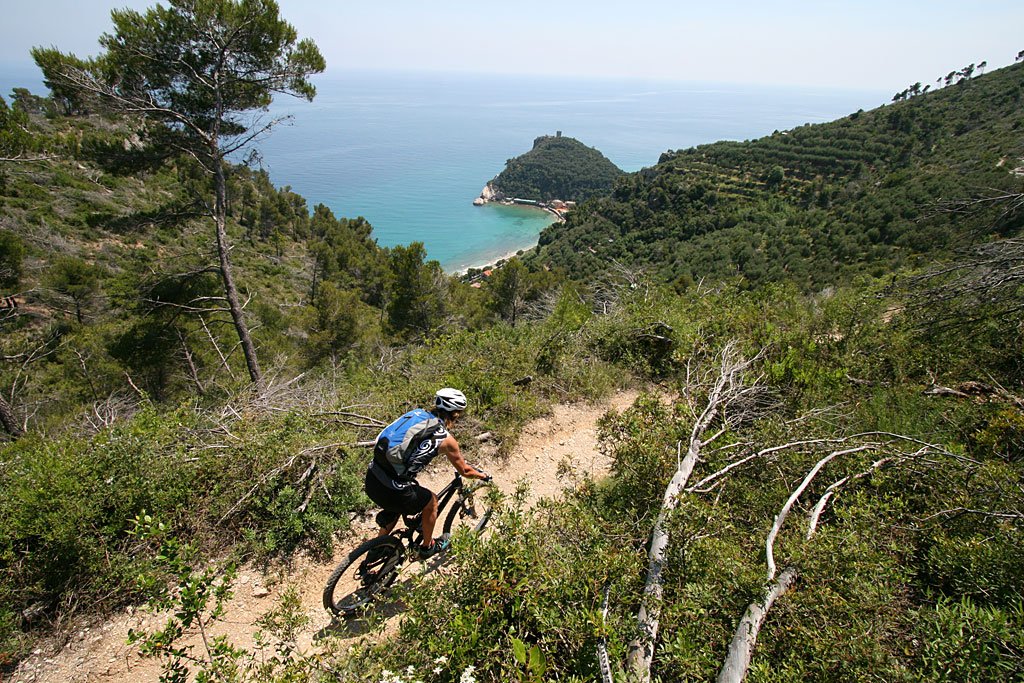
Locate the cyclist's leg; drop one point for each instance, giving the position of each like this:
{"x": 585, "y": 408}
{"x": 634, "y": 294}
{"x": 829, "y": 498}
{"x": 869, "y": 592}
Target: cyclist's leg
{"x": 386, "y": 521}
{"x": 429, "y": 515}
{"x": 429, "y": 546}
{"x": 414, "y": 499}
{"x": 411, "y": 499}
{"x": 391, "y": 503}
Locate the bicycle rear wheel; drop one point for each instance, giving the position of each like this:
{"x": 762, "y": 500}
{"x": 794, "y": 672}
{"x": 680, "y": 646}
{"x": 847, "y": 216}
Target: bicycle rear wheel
{"x": 362, "y": 575}
{"x": 472, "y": 511}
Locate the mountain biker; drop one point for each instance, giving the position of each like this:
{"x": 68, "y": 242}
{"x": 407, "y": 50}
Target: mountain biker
{"x": 402, "y": 450}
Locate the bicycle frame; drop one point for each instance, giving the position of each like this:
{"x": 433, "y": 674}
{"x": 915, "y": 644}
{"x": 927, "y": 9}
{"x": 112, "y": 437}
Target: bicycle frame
{"x": 414, "y": 535}
{"x": 377, "y": 561}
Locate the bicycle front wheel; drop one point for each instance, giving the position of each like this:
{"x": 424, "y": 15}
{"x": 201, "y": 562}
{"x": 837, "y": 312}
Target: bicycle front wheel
{"x": 471, "y": 510}
{"x": 362, "y": 575}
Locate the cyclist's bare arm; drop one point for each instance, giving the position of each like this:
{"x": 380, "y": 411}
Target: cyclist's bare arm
{"x": 451, "y": 450}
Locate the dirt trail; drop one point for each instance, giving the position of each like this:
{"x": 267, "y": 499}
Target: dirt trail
{"x": 100, "y": 652}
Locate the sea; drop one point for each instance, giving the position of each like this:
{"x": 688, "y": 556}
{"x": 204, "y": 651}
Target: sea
{"x": 410, "y": 151}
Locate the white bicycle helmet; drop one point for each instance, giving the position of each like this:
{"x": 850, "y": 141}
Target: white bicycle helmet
{"x": 449, "y": 399}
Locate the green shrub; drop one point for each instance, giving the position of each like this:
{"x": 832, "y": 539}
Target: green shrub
{"x": 69, "y": 501}
{"x": 1003, "y": 436}
{"x": 960, "y": 640}
{"x": 985, "y": 563}
{"x": 536, "y": 579}
{"x": 12, "y": 251}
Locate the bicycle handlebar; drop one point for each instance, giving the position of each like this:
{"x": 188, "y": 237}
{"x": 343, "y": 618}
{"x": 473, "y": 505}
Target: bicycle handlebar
{"x": 486, "y": 478}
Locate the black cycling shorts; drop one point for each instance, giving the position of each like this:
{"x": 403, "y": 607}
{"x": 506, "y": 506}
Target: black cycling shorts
{"x": 409, "y": 501}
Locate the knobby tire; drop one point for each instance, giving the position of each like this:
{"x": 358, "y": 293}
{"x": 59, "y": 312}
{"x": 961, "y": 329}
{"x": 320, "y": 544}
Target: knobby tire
{"x": 362, "y": 576}
{"x": 475, "y": 517}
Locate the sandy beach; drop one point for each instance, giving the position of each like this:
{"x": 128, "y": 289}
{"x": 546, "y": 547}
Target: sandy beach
{"x": 503, "y": 257}
{"x": 556, "y": 218}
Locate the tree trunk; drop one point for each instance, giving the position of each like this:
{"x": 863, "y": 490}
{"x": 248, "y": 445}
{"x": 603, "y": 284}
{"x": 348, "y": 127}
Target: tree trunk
{"x": 641, "y": 650}
{"x": 230, "y": 291}
{"x": 190, "y": 363}
{"x": 603, "y": 663}
{"x": 742, "y": 646}
{"x": 312, "y": 291}
{"x": 727, "y": 388}
{"x": 7, "y": 420}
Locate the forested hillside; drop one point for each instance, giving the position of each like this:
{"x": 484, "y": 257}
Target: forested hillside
{"x": 837, "y": 469}
{"x": 556, "y": 168}
{"x": 815, "y": 205}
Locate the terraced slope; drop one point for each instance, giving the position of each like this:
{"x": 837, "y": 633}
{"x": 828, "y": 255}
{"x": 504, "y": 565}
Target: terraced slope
{"x": 816, "y": 204}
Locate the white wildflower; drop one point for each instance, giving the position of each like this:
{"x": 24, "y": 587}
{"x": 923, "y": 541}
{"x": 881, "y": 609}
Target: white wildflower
{"x": 467, "y": 675}
{"x": 443, "y": 659}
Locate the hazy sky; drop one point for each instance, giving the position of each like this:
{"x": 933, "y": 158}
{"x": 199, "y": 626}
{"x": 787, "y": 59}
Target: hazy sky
{"x": 870, "y": 44}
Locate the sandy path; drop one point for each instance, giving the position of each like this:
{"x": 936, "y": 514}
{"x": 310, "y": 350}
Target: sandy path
{"x": 100, "y": 652}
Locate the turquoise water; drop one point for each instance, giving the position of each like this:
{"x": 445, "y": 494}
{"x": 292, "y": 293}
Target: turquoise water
{"x": 410, "y": 152}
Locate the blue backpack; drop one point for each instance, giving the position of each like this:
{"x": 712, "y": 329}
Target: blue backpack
{"x": 406, "y": 445}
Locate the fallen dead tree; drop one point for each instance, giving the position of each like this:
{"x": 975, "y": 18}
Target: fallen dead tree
{"x": 732, "y": 397}
{"x": 741, "y": 649}
{"x": 737, "y": 661}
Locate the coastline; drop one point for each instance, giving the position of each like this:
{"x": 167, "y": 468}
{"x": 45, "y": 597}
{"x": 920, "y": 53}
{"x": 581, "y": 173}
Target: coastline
{"x": 493, "y": 261}
{"x": 505, "y": 256}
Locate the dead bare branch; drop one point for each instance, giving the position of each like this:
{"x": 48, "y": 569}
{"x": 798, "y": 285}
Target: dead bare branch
{"x": 216, "y": 346}
{"x": 190, "y": 363}
{"x": 732, "y": 397}
{"x": 602, "y": 645}
{"x": 700, "y": 486}
{"x": 1012, "y": 201}
{"x": 981, "y": 283}
{"x": 974, "y": 389}
{"x": 819, "y": 507}
{"x": 368, "y": 421}
{"x": 28, "y": 159}
{"x": 281, "y": 469}
{"x": 953, "y": 512}
{"x": 737, "y": 661}
{"x": 741, "y": 649}
{"x": 105, "y": 413}
{"x": 780, "y": 518}
{"x": 140, "y": 392}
